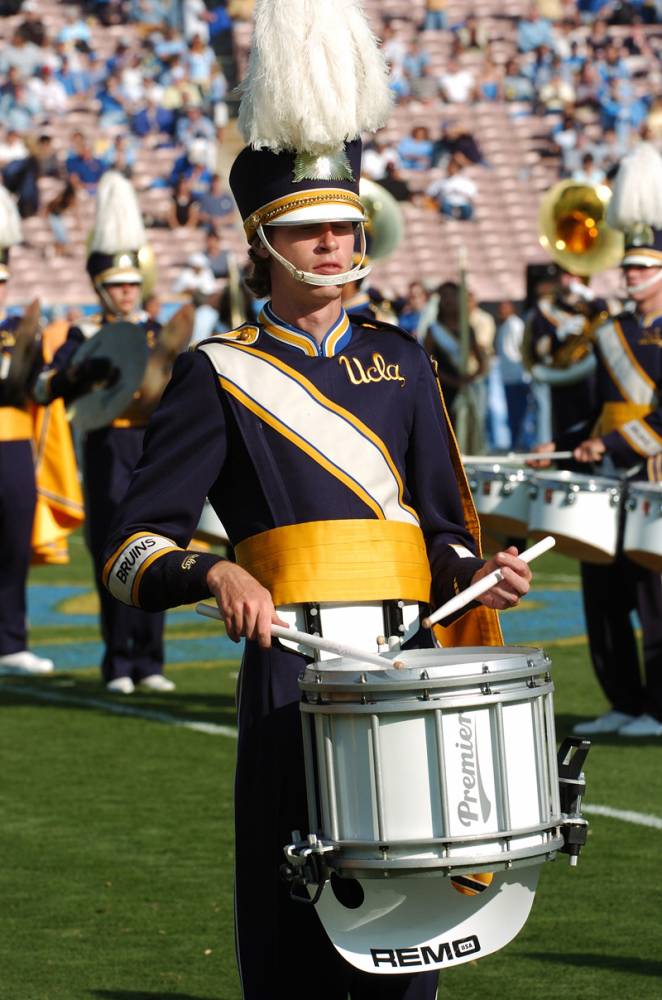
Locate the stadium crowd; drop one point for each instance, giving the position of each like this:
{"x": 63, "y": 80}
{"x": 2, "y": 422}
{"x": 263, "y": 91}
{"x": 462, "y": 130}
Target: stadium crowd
{"x": 167, "y": 85}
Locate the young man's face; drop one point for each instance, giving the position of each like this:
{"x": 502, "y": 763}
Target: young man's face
{"x": 648, "y": 297}
{"x": 125, "y": 297}
{"x": 321, "y": 248}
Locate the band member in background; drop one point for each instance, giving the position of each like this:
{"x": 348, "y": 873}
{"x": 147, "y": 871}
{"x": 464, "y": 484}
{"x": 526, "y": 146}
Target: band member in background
{"x": 40, "y": 501}
{"x": 628, "y": 433}
{"x": 309, "y": 433}
{"x": 18, "y": 494}
{"x": 563, "y": 309}
{"x": 133, "y": 640}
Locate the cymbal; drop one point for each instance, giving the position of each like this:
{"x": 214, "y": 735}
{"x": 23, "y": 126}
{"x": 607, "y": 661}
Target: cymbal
{"x": 125, "y": 345}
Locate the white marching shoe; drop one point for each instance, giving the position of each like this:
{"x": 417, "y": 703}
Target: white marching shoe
{"x": 643, "y": 725}
{"x": 610, "y": 722}
{"x": 25, "y": 662}
{"x": 121, "y": 685}
{"x": 156, "y": 682}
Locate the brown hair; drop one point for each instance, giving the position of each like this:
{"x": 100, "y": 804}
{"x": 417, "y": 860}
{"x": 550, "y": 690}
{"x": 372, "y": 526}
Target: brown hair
{"x": 258, "y": 278}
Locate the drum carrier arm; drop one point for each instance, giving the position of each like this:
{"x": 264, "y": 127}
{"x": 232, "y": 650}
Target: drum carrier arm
{"x": 572, "y": 785}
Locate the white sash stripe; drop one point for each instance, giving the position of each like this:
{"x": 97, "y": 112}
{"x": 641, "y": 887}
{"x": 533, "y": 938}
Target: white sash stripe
{"x": 332, "y": 435}
{"x": 629, "y": 378}
{"x": 127, "y": 564}
{"x": 641, "y": 438}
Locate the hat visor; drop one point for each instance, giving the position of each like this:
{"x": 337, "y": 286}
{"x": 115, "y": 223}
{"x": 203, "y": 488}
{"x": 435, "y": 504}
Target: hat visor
{"x": 121, "y": 276}
{"x": 641, "y": 257}
{"x": 417, "y": 924}
{"x": 330, "y": 212}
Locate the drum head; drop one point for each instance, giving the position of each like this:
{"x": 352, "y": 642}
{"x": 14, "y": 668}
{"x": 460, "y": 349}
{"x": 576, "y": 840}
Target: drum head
{"x": 125, "y": 345}
{"x": 420, "y": 924}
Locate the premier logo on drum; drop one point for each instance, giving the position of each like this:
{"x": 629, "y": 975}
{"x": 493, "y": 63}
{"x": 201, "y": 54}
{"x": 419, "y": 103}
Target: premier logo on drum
{"x": 445, "y": 951}
{"x": 475, "y": 795}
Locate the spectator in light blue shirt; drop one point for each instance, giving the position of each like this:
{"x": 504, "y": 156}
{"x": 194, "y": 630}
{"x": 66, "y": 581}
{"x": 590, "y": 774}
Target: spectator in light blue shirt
{"x": 534, "y": 31}
{"x": 415, "y": 150}
{"x": 75, "y": 30}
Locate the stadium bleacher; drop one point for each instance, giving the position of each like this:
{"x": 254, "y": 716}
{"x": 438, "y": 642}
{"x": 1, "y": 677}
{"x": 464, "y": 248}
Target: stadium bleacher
{"x": 521, "y": 160}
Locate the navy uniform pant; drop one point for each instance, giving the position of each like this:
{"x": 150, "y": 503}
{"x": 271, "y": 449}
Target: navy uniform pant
{"x": 18, "y": 497}
{"x": 282, "y": 948}
{"x": 133, "y": 638}
{"x": 611, "y": 593}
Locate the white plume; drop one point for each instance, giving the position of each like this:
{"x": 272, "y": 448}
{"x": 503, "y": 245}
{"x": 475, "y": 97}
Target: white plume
{"x": 118, "y": 224}
{"x": 10, "y": 220}
{"x": 637, "y": 194}
{"x": 315, "y": 77}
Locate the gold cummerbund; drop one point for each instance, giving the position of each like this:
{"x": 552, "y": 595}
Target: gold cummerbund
{"x": 614, "y": 415}
{"x": 15, "y": 424}
{"x": 358, "y": 560}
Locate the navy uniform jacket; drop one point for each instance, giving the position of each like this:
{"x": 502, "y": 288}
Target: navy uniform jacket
{"x": 629, "y": 387}
{"x": 266, "y": 462}
{"x": 8, "y": 327}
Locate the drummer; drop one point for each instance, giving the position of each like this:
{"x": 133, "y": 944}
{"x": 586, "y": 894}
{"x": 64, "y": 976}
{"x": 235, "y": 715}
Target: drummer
{"x": 627, "y": 435}
{"x": 133, "y": 640}
{"x": 324, "y": 447}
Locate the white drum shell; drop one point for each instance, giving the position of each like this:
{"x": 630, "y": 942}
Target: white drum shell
{"x": 581, "y": 512}
{"x": 456, "y": 771}
{"x": 501, "y": 497}
{"x": 642, "y": 541}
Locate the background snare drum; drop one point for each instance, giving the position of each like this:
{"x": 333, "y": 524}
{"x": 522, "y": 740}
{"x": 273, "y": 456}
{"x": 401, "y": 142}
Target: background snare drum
{"x": 642, "y": 540}
{"x": 501, "y": 496}
{"x": 581, "y": 512}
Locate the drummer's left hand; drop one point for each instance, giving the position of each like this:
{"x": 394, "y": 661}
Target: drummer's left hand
{"x": 591, "y": 450}
{"x": 514, "y": 585}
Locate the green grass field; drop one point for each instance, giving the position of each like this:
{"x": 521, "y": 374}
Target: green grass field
{"x": 116, "y": 845}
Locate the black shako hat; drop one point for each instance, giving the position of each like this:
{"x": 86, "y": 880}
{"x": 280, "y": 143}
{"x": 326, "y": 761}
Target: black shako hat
{"x": 276, "y": 189}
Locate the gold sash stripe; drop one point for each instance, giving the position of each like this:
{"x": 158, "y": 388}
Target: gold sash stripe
{"x": 15, "y": 424}
{"x": 349, "y": 560}
{"x": 614, "y": 415}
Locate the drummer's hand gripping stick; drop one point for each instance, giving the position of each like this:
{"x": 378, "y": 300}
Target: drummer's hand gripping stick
{"x": 314, "y": 642}
{"x": 475, "y": 590}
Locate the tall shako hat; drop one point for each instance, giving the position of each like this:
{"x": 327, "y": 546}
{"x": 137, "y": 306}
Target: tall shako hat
{"x": 636, "y": 206}
{"x": 316, "y": 80}
{"x": 10, "y": 230}
{"x": 118, "y": 234}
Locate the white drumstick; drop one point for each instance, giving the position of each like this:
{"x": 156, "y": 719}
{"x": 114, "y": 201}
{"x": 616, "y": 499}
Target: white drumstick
{"x": 516, "y": 458}
{"x": 476, "y": 589}
{"x": 314, "y": 641}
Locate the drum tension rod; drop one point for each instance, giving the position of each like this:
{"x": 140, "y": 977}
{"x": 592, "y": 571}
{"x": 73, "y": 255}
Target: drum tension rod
{"x": 572, "y": 785}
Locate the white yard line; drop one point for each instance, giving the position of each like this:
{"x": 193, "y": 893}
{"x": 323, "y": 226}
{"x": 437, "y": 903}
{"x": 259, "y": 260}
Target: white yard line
{"x": 210, "y": 728}
{"x": 626, "y": 815}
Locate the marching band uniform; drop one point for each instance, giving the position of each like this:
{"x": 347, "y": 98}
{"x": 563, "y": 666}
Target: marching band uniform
{"x": 133, "y": 640}
{"x": 301, "y": 450}
{"x": 334, "y": 472}
{"x": 18, "y": 494}
{"x": 629, "y": 390}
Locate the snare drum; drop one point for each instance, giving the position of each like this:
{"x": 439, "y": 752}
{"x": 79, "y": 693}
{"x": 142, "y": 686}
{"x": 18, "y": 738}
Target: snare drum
{"x": 581, "y": 512}
{"x": 642, "y": 541}
{"x": 501, "y": 496}
{"x": 446, "y": 765}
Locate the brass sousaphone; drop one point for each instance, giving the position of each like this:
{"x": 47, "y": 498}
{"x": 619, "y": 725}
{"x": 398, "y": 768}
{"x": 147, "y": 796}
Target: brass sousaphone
{"x": 574, "y": 231}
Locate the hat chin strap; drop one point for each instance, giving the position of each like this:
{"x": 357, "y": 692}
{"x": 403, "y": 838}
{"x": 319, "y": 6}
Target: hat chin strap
{"x": 308, "y": 277}
{"x": 645, "y": 285}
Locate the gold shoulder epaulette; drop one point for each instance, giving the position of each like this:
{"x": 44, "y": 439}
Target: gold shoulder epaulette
{"x": 247, "y": 333}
